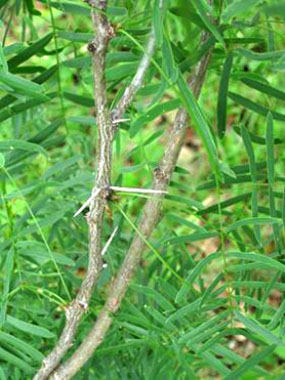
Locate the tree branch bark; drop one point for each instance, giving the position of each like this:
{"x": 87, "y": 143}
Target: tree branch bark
{"x": 149, "y": 220}
{"x": 137, "y": 81}
{"x": 80, "y": 304}
{"x": 106, "y": 131}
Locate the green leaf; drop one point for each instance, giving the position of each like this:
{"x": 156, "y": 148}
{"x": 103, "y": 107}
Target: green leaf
{"x": 157, "y": 22}
{"x": 250, "y": 363}
{"x": 200, "y": 123}
{"x": 24, "y": 55}
{"x": 3, "y": 62}
{"x": 76, "y": 37}
{"x": 188, "y": 202}
{"x": 22, "y": 86}
{"x": 223, "y": 96}
{"x": 116, "y": 11}
{"x": 78, "y": 99}
{"x": 258, "y": 259}
{"x": 208, "y": 23}
{"x": 259, "y": 109}
{"x": 158, "y": 297}
{"x": 283, "y": 208}
{"x": 84, "y": 120}
{"x": 246, "y": 40}
{"x": 229, "y": 202}
{"x": 2, "y": 374}
{"x": 268, "y": 56}
{"x": 29, "y": 328}
{"x": 13, "y": 48}
{"x": 121, "y": 71}
{"x": 8, "y": 269}
{"x": 230, "y": 181}
{"x": 276, "y": 8}
{"x": 196, "y": 236}
{"x": 237, "y": 8}
{"x": 70, "y": 8}
{"x": 186, "y": 287}
{"x": 258, "y": 329}
{"x": 23, "y": 106}
{"x": 169, "y": 64}
{"x": 189, "y": 309}
{"x": 15, "y": 361}
{"x": 23, "y": 346}
{"x": 61, "y": 166}
{"x": 256, "y": 139}
{"x": 22, "y": 145}
{"x": 153, "y": 113}
{"x": 36, "y": 250}
{"x": 264, "y": 88}
{"x": 204, "y": 326}
{"x": 277, "y": 317}
{"x": 270, "y": 149}
{"x": 147, "y": 142}
{"x": 78, "y": 63}
{"x": 187, "y": 11}
{"x": 2, "y": 161}
{"x": 253, "y": 173}
{"x": 185, "y": 222}
{"x": 46, "y": 132}
{"x": 252, "y": 221}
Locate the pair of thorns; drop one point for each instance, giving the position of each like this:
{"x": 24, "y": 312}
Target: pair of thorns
{"x": 117, "y": 188}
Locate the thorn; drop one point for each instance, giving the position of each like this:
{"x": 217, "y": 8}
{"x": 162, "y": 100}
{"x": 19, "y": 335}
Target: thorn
{"x": 106, "y": 246}
{"x": 136, "y": 190}
{"x": 85, "y": 204}
{"x": 120, "y": 121}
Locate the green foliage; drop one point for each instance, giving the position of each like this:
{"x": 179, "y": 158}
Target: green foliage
{"x": 213, "y": 272}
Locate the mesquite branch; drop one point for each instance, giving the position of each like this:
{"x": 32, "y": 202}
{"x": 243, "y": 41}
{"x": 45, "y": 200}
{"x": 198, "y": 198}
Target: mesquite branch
{"x": 149, "y": 220}
{"x": 106, "y": 132}
{"x": 79, "y": 305}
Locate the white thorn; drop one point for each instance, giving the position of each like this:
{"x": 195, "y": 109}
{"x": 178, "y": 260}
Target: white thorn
{"x": 85, "y": 204}
{"x": 119, "y": 121}
{"x": 136, "y": 190}
{"x": 106, "y": 246}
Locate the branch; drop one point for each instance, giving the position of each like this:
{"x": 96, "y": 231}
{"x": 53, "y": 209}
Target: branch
{"x": 149, "y": 220}
{"x": 137, "y": 81}
{"x": 80, "y": 304}
{"x": 97, "y": 201}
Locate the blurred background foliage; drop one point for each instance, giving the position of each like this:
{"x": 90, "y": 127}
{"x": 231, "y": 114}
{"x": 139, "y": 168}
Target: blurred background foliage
{"x": 190, "y": 313}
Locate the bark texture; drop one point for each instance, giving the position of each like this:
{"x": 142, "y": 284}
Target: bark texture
{"x": 106, "y": 123}
{"x": 149, "y": 220}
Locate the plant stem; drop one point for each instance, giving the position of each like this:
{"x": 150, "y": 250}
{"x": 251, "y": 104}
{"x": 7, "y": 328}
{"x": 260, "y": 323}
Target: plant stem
{"x": 150, "y": 217}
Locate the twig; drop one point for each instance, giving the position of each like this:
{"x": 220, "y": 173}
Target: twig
{"x": 79, "y": 305}
{"x": 149, "y": 220}
{"x": 97, "y": 201}
{"x": 137, "y": 81}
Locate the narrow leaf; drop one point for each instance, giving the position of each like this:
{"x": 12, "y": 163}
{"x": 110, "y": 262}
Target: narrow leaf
{"x": 200, "y": 123}
{"x": 223, "y": 96}
{"x": 255, "y": 107}
{"x": 29, "y": 52}
{"x": 29, "y": 328}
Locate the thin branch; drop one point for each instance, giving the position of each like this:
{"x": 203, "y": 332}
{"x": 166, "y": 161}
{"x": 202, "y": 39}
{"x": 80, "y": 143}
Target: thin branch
{"x": 106, "y": 127}
{"x": 149, "y": 220}
{"x": 137, "y": 81}
{"x": 79, "y": 305}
